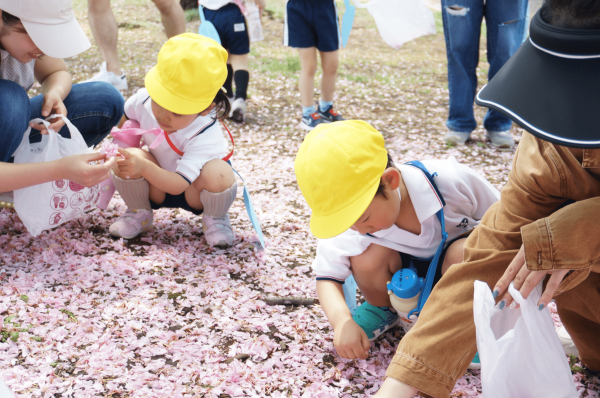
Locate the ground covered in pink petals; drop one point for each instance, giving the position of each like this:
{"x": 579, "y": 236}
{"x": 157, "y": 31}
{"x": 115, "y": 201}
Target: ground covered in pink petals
{"x": 164, "y": 315}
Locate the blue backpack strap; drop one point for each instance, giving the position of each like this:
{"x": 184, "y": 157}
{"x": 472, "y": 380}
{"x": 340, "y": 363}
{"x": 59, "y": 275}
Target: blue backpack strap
{"x": 428, "y": 285}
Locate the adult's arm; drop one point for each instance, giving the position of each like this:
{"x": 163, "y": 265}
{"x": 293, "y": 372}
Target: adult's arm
{"x": 75, "y": 168}
{"x": 56, "y": 85}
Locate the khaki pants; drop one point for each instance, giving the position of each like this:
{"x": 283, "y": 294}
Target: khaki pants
{"x": 438, "y": 350}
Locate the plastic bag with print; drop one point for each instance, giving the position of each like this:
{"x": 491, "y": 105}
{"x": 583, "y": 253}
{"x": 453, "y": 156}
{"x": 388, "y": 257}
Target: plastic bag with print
{"x": 48, "y": 205}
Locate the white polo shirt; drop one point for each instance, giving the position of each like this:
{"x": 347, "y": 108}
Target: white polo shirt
{"x": 467, "y": 194}
{"x": 200, "y": 142}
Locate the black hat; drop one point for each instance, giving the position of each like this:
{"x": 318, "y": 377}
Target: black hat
{"x": 551, "y": 85}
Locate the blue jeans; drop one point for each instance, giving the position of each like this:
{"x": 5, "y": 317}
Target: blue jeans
{"x": 94, "y": 108}
{"x": 506, "y": 22}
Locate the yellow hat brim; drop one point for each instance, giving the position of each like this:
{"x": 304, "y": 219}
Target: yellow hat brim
{"x": 170, "y": 101}
{"x": 325, "y": 227}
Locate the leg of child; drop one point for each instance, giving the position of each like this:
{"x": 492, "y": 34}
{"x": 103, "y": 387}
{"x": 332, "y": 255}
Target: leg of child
{"x": 454, "y": 254}
{"x": 214, "y": 191}
{"x": 136, "y": 193}
{"x": 329, "y": 63}
{"x": 308, "y": 68}
{"x": 241, "y": 76}
{"x": 372, "y": 270}
{"x": 172, "y": 16}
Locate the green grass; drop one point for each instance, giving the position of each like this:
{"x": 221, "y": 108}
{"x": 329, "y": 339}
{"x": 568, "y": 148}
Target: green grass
{"x": 192, "y": 15}
{"x": 289, "y": 65}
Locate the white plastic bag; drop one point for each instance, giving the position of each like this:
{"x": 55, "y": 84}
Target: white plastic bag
{"x": 48, "y": 205}
{"x": 255, "y": 30}
{"x": 399, "y": 21}
{"x": 521, "y": 355}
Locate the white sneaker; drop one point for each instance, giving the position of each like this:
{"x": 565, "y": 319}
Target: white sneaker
{"x": 456, "y": 138}
{"x": 500, "y": 139}
{"x": 217, "y": 231}
{"x": 7, "y": 197}
{"x": 238, "y": 110}
{"x": 567, "y": 341}
{"x": 120, "y": 82}
{"x": 132, "y": 223}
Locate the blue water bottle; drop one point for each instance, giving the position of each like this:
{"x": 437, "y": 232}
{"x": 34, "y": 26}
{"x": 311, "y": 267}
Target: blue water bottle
{"x": 404, "y": 291}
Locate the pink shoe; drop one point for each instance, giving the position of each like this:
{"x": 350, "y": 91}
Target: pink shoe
{"x": 132, "y": 223}
{"x": 217, "y": 231}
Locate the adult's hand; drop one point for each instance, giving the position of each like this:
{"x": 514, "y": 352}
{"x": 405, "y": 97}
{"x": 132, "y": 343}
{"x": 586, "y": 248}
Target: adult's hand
{"x": 78, "y": 168}
{"x": 525, "y": 281}
{"x": 350, "y": 340}
{"x": 52, "y": 105}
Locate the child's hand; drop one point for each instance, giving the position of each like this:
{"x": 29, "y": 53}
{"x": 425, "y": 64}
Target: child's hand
{"x": 131, "y": 165}
{"x": 350, "y": 340}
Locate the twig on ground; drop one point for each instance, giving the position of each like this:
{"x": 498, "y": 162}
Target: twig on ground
{"x": 291, "y": 300}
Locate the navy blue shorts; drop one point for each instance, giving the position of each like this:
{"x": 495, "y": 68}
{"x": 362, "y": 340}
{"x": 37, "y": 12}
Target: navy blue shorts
{"x": 312, "y": 23}
{"x": 231, "y": 26}
{"x": 422, "y": 266}
{"x": 177, "y": 202}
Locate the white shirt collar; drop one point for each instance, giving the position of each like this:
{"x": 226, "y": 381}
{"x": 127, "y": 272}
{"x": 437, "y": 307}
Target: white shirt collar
{"x": 423, "y": 196}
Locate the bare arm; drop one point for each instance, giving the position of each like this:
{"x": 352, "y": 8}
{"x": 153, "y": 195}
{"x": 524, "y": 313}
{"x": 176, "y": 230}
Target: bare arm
{"x": 75, "y": 168}
{"x": 167, "y": 181}
{"x": 134, "y": 165}
{"x": 56, "y": 85}
{"x": 349, "y": 339}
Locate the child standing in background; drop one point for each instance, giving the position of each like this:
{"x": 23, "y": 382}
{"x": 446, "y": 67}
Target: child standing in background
{"x": 312, "y": 25}
{"x": 228, "y": 19}
{"x": 186, "y": 165}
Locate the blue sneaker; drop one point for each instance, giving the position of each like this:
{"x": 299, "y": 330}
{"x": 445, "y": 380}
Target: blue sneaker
{"x": 310, "y": 122}
{"x": 375, "y": 320}
{"x": 329, "y": 115}
{"x": 475, "y": 363}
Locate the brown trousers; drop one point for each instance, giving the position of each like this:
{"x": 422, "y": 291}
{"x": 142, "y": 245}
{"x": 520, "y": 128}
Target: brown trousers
{"x": 545, "y": 177}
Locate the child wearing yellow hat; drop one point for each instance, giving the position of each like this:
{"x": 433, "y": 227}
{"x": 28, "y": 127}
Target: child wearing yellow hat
{"x": 184, "y": 166}
{"x": 373, "y": 218}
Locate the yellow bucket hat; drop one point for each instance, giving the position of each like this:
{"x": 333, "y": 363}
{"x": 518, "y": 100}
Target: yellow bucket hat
{"x": 339, "y": 167}
{"x": 189, "y": 72}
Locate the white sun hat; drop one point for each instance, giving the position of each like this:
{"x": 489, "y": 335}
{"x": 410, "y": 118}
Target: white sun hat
{"x": 51, "y": 25}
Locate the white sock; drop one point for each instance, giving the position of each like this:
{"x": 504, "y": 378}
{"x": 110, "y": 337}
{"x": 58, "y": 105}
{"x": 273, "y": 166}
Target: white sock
{"x": 218, "y": 204}
{"x": 135, "y": 193}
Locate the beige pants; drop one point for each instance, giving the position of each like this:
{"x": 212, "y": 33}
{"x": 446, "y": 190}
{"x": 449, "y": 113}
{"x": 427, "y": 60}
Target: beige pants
{"x": 438, "y": 350}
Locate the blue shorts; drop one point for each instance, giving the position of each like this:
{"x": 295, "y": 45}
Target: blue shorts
{"x": 231, "y": 26}
{"x": 312, "y": 23}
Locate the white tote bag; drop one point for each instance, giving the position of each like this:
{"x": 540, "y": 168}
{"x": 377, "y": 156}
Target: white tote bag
{"x": 48, "y": 205}
{"x": 399, "y": 21}
{"x": 521, "y": 355}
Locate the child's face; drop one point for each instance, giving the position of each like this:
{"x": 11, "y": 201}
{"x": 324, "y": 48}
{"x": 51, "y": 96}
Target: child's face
{"x": 383, "y": 212}
{"x": 169, "y": 121}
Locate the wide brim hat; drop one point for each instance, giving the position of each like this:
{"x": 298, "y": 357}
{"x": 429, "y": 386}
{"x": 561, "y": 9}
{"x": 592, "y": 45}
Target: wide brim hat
{"x": 551, "y": 85}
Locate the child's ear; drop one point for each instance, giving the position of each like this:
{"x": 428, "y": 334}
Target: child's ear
{"x": 391, "y": 178}
{"x": 208, "y": 110}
